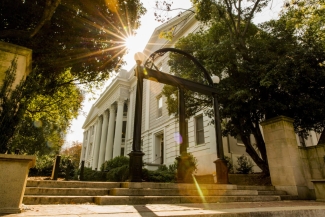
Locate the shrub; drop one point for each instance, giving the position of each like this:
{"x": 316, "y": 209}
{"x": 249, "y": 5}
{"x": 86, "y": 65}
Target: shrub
{"x": 65, "y": 165}
{"x": 245, "y": 165}
{"x": 115, "y": 163}
{"x": 119, "y": 174}
{"x": 117, "y": 169}
{"x": 191, "y": 163}
{"x": 162, "y": 174}
{"x": 43, "y": 167}
{"x": 230, "y": 165}
{"x": 93, "y": 175}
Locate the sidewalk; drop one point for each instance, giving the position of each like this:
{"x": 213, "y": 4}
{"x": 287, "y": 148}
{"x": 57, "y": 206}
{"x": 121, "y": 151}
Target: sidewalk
{"x": 242, "y": 209}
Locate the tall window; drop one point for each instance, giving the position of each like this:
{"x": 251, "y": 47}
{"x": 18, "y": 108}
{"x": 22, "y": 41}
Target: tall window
{"x": 123, "y": 129}
{"x": 125, "y": 109}
{"x": 122, "y": 151}
{"x": 199, "y": 129}
{"x": 160, "y": 104}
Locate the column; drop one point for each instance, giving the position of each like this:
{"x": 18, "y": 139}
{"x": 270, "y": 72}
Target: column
{"x": 118, "y": 129}
{"x": 87, "y": 146}
{"x": 126, "y": 129}
{"x": 84, "y": 147}
{"x": 130, "y": 112}
{"x": 103, "y": 140}
{"x": 129, "y": 121}
{"x": 97, "y": 143}
{"x": 110, "y": 134}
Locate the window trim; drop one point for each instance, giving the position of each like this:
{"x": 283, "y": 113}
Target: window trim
{"x": 159, "y": 109}
{"x": 201, "y": 130}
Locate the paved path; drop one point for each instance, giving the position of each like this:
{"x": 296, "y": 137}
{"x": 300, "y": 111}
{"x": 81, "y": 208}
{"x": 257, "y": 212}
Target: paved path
{"x": 242, "y": 209}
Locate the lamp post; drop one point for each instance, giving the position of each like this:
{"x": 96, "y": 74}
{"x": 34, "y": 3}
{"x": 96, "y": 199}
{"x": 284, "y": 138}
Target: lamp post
{"x": 221, "y": 164}
{"x": 220, "y": 153}
{"x": 136, "y": 153}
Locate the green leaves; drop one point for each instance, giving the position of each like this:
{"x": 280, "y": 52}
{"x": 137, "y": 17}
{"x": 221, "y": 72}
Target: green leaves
{"x": 266, "y": 71}
{"x": 83, "y": 35}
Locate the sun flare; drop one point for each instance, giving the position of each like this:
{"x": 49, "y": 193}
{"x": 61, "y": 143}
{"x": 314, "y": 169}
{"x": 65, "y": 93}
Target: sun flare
{"x": 132, "y": 44}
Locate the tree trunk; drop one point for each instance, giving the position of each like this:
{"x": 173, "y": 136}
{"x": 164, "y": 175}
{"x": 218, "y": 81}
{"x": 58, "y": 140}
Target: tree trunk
{"x": 255, "y": 156}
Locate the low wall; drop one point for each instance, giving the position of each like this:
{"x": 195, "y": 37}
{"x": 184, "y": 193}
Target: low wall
{"x": 313, "y": 159}
{"x": 249, "y": 179}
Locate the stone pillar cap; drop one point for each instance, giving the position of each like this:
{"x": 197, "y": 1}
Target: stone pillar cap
{"x": 12, "y": 157}
{"x": 277, "y": 119}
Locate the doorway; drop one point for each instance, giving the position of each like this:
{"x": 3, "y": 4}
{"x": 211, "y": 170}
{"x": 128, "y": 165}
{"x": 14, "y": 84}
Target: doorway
{"x": 159, "y": 149}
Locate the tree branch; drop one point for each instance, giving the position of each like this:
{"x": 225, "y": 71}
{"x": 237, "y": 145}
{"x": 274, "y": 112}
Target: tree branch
{"x": 48, "y": 12}
{"x": 232, "y": 20}
{"x": 238, "y": 16}
{"x": 250, "y": 17}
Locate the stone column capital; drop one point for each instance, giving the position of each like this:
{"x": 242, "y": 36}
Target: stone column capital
{"x": 105, "y": 114}
{"x": 120, "y": 102}
{"x": 100, "y": 118}
{"x": 112, "y": 108}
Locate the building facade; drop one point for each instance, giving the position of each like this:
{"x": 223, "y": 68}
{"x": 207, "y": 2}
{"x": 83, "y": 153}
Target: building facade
{"x": 108, "y": 128}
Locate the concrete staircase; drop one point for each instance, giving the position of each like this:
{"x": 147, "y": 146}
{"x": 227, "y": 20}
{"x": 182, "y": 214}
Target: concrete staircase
{"x": 130, "y": 193}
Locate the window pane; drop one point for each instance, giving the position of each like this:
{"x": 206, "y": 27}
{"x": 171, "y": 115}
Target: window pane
{"x": 199, "y": 130}
{"x": 122, "y": 151}
{"x": 159, "y": 105}
{"x": 124, "y": 129}
{"x": 199, "y": 123}
{"x": 200, "y": 137}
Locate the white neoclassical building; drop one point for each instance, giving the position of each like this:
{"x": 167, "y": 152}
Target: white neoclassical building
{"x": 108, "y": 129}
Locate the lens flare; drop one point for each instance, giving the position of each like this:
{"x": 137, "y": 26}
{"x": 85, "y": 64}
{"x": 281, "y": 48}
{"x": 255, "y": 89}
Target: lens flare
{"x": 178, "y": 138}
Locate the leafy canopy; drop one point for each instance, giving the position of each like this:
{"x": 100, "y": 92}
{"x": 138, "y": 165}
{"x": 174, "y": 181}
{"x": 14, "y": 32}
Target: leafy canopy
{"x": 265, "y": 71}
{"x": 73, "y": 42}
{"x": 85, "y": 35}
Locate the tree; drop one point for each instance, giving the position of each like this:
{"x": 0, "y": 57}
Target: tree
{"x": 235, "y": 20}
{"x": 266, "y": 73}
{"x": 74, "y": 153}
{"x": 45, "y": 122}
{"x": 307, "y": 17}
{"x": 84, "y": 37}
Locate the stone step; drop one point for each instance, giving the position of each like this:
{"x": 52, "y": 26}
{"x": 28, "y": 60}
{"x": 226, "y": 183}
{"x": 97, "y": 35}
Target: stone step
{"x": 71, "y": 184}
{"x": 289, "y": 197}
{"x": 179, "y": 192}
{"x": 36, "y": 199}
{"x": 67, "y": 191}
{"x": 155, "y": 185}
{"x": 275, "y": 192}
{"x": 256, "y": 187}
{"x": 115, "y": 193}
{"x": 133, "y": 200}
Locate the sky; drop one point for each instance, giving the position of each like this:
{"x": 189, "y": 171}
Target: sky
{"x": 148, "y": 24}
